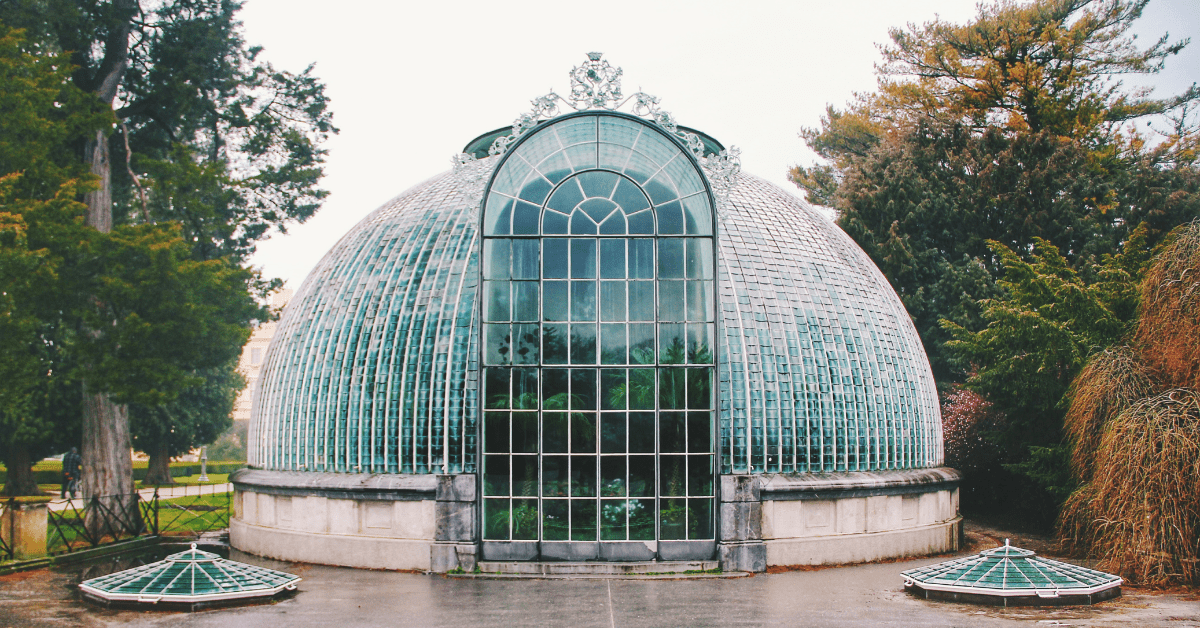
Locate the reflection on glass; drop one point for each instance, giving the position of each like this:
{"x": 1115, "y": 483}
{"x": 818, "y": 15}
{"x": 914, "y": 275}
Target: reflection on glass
{"x": 525, "y": 301}
{"x": 672, "y": 518}
{"x": 527, "y": 343}
{"x": 613, "y": 349}
{"x": 629, "y": 197}
{"x": 674, "y": 475}
{"x": 554, "y": 476}
{"x": 612, "y": 433}
{"x": 699, "y": 432}
{"x": 555, "y": 520}
{"x": 525, "y": 433}
{"x": 496, "y": 388}
{"x": 554, "y": 344}
{"x": 554, "y": 258}
{"x": 583, "y": 520}
{"x": 495, "y": 519}
{"x": 641, "y": 433}
{"x": 554, "y": 433}
{"x": 672, "y": 436}
{"x": 525, "y": 520}
{"x": 583, "y": 476}
{"x": 583, "y": 300}
{"x": 554, "y": 306}
{"x": 554, "y": 389}
{"x": 698, "y": 301}
{"x": 670, "y": 258}
{"x": 699, "y": 392}
{"x": 583, "y": 389}
{"x": 496, "y": 344}
{"x": 639, "y": 391}
{"x": 670, "y": 218}
{"x": 641, "y": 300}
{"x": 613, "y": 523}
{"x": 495, "y": 475}
{"x": 641, "y": 258}
{"x": 613, "y": 389}
{"x": 671, "y": 344}
{"x": 641, "y": 343}
{"x": 525, "y": 218}
{"x": 583, "y": 433}
{"x": 583, "y": 344}
{"x": 495, "y": 301}
{"x": 525, "y": 476}
{"x": 641, "y": 519}
{"x": 700, "y": 518}
{"x": 496, "y": 259}
{"x": 583, "y": 258}
{"x": 699, "y": 258}
{"x": 525, "y": 259}
{"x": 495, "y": 432}
{"x": 612, "y": 259}
{"x": 700, "y": 475}
{"x": 670, "y": 301}
{"x": 612, "y": 301}
{"x": 700, "y": 342}
{"x": 612, "y": 476}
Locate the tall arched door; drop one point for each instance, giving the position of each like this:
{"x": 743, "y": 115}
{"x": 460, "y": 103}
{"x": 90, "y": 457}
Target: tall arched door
{"x": 598, "y": 347}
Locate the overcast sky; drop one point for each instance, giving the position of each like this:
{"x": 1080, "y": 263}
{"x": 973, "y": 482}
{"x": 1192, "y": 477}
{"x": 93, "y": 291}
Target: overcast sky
{"x": 411, "y": 83}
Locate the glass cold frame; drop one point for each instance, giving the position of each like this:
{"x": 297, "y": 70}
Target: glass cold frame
{"x": 598, "y": 338}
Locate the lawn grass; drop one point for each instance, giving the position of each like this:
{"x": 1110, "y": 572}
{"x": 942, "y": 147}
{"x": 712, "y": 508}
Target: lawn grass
{"x": 190, "y": 480}
{"x": 179, "y": 516}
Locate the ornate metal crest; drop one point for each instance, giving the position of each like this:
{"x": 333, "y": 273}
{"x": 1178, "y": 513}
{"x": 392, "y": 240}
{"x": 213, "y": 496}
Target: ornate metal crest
{"x": 597, "y": 85}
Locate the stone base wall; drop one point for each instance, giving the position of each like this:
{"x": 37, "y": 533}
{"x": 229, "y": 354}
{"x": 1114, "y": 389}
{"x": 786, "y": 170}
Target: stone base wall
{"x": 825, "y": 519}
{"x": 352, "y": 520}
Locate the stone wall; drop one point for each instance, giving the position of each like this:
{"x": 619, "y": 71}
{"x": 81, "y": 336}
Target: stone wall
{"x": 837, "y": 518}
{"x": 354, "y": 520}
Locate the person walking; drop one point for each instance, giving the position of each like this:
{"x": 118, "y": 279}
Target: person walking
{"x": 70, "y": 469}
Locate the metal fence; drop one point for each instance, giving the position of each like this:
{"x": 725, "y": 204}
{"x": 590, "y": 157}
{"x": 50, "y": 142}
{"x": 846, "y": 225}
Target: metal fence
{"x": 187, "y": 510}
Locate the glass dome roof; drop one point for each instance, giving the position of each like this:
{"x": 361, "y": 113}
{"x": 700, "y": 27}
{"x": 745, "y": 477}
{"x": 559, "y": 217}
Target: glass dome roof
{"x": 375, "y": 364}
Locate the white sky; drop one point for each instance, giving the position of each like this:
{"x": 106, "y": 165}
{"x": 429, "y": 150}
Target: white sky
{"x": 411, "y": 83}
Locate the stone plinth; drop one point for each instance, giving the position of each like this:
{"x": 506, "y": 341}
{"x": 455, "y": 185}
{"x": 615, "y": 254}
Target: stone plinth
{"x": 23, "y": 526}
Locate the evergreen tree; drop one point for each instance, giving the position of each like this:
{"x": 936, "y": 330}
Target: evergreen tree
{"x": 210, "y": 150}
{"x": 196, "y": 417}
{"x": 998, "y": 164}
{"x": 1009, "y": 128}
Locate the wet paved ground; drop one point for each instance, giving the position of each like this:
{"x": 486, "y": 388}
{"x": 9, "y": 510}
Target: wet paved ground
{"x": 863, "y": 595}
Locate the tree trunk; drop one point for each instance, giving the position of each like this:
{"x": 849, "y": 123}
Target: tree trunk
{"x": 20, "y": 479}
{"x": 107, "y": 473}
{"x": 107, "y": 468}
{"x": 159, "y": 471}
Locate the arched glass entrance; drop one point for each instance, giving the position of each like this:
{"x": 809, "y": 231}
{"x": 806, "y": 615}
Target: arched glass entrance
{"x": 598, "y": 347}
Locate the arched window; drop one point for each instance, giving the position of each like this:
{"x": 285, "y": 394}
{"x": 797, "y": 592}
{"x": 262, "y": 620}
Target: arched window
{"x": 598, "y": 346}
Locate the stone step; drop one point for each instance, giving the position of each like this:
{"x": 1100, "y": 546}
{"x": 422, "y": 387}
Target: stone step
{"x": 550, "y": 568}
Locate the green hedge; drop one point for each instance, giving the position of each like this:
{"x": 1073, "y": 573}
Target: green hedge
{"x": 50, "y": 471}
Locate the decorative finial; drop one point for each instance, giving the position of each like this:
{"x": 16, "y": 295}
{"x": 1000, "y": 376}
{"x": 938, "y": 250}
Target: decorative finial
{"x": 193, "y": 546}
{"x": 597, "y": 85}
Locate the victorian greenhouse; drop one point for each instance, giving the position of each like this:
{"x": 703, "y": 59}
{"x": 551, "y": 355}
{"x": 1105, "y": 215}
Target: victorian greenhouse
{"x": 595, "y": 340}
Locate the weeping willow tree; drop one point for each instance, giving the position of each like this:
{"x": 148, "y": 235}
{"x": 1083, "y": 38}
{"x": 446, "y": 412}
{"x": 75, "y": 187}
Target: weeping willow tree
{"x": 1134, "y": 422}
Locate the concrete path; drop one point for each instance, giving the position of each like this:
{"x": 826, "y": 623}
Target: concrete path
{"x": 856, "y": 596}
{"x": 187, "y": 490}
